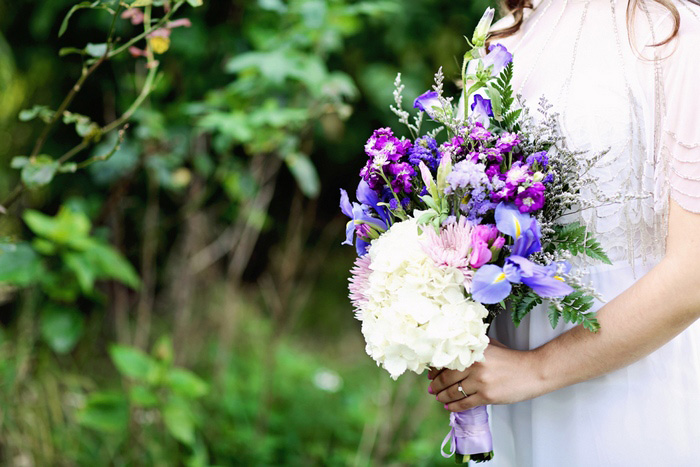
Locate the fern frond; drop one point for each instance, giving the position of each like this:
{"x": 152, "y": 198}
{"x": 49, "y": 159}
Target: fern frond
{"x": 575, "y": 238}
{"x": 522, "y": 305}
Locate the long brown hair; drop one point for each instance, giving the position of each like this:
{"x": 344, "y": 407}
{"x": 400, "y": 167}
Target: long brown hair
{"x": 517, "y": 9}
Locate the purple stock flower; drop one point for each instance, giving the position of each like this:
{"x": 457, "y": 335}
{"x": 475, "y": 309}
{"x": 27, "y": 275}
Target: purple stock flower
{"x": 498, "y": 57}
{"x": 507, "y": 141}
{"x": 466, "y": 174}
{"x": 479, "y": 132}
{"x": 401, "y": 175}
{"x": 548, "y": 179}
{"x": 493, "y": 170}
{"x": 481, "y": 110}
{"x": 531, "y": 198}
{"x": 383, "y": 149}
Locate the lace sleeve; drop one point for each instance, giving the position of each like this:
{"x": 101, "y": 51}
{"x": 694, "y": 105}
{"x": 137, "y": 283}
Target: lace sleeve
{"x": 681, "y": 135}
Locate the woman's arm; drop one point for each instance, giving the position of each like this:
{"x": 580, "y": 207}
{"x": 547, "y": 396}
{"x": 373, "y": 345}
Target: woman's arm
{"x": 640, "y": 320}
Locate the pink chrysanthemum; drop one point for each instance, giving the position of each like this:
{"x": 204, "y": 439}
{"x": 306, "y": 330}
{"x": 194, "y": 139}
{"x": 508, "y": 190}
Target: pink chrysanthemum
{"x": 452, "y": 247}
{"x": 359, "y": 283}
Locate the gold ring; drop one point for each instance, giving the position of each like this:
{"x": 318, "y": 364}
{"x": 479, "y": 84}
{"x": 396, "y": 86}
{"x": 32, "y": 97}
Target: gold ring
{"x": 459, "y": 388}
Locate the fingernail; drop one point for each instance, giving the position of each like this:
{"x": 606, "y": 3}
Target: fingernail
{"x": 430, "y": 390}
{"x": 445, "y": 406}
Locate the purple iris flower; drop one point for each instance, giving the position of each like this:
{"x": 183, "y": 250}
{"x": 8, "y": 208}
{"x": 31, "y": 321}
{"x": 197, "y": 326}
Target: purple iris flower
{"x": 360, "y": 221}
{"x": 492, "y": 284}
{"x": 429, "y": 103}
{"x": 367, "y": 196}
{"x": 498, "y": 57}
{"x": 523, "y": 228}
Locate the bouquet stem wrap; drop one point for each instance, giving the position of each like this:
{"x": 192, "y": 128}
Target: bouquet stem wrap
{"x": 470, "y": 434}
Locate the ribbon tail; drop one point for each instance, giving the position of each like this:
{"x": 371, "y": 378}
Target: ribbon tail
{"x": 450, "y": 438}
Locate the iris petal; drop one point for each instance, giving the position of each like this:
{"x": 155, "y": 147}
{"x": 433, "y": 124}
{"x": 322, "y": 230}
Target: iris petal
{"x": 490, "y": 285}
{"x": 548, "y": 286}
{"x": 345, "y": 205}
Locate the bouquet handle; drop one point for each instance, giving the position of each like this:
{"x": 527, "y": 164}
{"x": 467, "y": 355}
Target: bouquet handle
{"x": 470, "y": 436}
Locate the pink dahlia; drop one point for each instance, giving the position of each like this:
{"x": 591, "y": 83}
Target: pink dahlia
{"x": 451, "y": 247}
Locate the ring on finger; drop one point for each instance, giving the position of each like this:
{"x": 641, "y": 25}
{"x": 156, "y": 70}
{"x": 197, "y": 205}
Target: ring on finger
{"x": 460, "y": 389}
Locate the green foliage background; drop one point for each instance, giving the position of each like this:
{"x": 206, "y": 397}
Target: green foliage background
{"x": 184, "y": 300}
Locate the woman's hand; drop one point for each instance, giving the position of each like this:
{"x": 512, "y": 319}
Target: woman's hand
{"x": 504, "y": 377}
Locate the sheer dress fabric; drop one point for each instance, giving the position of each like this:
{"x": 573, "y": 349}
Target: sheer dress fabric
{"x": 641, "y": 104}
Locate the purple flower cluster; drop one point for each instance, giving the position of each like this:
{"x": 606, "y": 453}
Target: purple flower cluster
{"x": 424, "y": 149}
{"x": 387, "y": 156}
{"x": 470, "y": 181}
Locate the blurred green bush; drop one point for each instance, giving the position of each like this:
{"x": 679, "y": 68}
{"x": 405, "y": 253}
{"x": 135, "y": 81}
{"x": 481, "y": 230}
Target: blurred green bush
{"x": 173, "y": 292}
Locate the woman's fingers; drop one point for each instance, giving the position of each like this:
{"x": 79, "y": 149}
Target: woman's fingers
{"x": 445, "y": 379}
{"x": 452, "y": 393}
{"x": 466, "y": 403}
{"x": 433, "y": 372}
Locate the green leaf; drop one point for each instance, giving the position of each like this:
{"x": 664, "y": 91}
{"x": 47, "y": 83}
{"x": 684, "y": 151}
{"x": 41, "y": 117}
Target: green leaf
{"x": 179, "y": 421}
{"x": 524, "y": 305}
{"x": 82, "y": 268}
{"x": 577, "y": 239}
{"x": 186, "y": 383}
{"x": 553, "y": 314}
{"x": 68, "y": 167}
{"x": 106, "y": 412}
{"x": 41, "y": 111}
{"x": 66, "y": 228}
{"x": 64, "y": 23}
{"x": 61, "y": 327}
{"x": 163, "y": 350}
{"x": 19, "y": 264}
{"x": 195, "y": 3}
{"x": 70, "y": 50}
{"x": 83, "y": 125}
{"x": 142, "y": 396}
{"x": 132, "y": 362}
{"x": 96, "y": 50}
{"x": 305, "y": 174}
{"x": 19, "y": 162}
{"x": 39, "y": 171}
{"x": 110, "y": 264}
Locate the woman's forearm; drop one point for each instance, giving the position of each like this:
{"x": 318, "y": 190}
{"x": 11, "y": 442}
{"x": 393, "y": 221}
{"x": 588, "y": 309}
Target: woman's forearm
{"x": 640, "y": 320}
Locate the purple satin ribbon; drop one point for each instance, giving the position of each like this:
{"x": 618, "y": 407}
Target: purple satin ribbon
{"x": 470, "y": 433}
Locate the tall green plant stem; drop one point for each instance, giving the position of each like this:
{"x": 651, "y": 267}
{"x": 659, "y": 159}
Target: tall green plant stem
{"x": 85, "y": 74}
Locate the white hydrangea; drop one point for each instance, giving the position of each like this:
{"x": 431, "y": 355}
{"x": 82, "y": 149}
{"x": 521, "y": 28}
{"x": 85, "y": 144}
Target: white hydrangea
{"x": 416, "y": 314}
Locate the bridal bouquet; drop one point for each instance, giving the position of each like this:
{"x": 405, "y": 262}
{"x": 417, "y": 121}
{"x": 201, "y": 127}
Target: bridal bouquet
{"x": 450, "y": 231}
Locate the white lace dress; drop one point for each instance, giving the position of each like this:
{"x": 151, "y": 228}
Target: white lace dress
{"x": 577, "y": 54}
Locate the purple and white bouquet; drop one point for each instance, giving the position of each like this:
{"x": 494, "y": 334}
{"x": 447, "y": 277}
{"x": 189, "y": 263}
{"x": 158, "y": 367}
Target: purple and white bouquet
{"x": 451, "y": 231}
